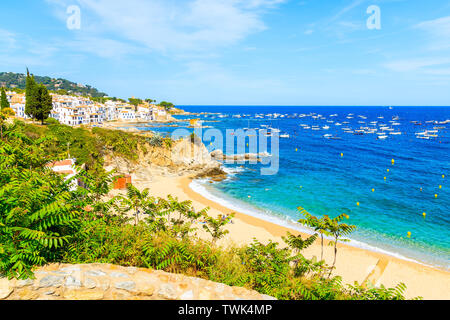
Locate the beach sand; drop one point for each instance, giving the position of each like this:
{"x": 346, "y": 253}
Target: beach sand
{"x": 353, "y": 264}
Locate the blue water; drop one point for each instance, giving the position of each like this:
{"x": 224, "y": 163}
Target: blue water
{"x": 317, "y": 178}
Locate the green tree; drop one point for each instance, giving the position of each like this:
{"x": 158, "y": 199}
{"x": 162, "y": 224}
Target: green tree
{"x": 4, "y": 114}
{"x": 215, "y": 226}
{"x": 44, "y": 103}
{"x": 38, "y": 212}
{"x": 318, "y": 224}
{"x": 38, "y": 100}
{"x": 136, "y": 200}
{"x": 166, "y": 105}
{"x": 31, "y": 103}
{"x": 338, "y": 230}
{"x": 4, "y": 101}
{"x": 135, "y": 101}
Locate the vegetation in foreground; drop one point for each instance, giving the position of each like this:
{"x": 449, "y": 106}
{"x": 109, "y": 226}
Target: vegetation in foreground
{"x": 43, "y": 221}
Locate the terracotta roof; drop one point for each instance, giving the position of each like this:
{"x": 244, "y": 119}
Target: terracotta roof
{"x": 60, "y": 163}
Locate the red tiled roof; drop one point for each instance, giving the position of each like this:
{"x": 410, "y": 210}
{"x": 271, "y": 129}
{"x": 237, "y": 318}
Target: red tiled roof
{"x": 60, "y": 163}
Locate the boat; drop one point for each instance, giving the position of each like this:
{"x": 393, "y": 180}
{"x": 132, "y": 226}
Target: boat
{"x": 284, "y": 136}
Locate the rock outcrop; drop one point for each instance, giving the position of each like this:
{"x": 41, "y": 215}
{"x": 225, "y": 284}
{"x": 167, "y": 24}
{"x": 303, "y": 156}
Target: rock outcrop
{"x": 218, "y": 155}
{"x": 110, "y": 282}
{"x": 184, "y": 157}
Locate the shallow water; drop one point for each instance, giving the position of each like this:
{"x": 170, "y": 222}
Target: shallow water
{"x": 317, "y": 178}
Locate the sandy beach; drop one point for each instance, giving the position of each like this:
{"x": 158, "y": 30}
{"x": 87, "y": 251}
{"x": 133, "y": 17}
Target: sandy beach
{"x": 353, "y": 264}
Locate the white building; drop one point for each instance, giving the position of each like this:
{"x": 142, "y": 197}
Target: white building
{"x": 66, "y": 168}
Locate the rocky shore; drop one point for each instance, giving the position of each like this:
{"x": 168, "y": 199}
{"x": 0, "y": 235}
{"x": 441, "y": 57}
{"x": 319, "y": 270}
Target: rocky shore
{"x": 185, "y": 157}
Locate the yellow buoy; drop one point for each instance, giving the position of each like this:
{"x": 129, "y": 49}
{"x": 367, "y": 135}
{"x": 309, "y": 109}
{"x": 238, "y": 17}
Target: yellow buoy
{"x": 342, "y": 154}
{"x": 393, "y": 161}
{"x": 443, "y": 176}
{"x": 409, "y": 234}
{"x": 373, "y": 190}
{"x": 387, "y": 170}
{"x": 440, "y": 187}
{"x": 424, "y": 214}
{"x": 435, "y": 196}
{"x": 296, "y": 149}
{"x": 385, "y": 178}
{"x": 357, "y": 204}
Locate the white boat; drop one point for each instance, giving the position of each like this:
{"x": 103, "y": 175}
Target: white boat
{"x": 284, "y": 136}
{"x": 382, "y": 137}
{"x": 395, "y": 133}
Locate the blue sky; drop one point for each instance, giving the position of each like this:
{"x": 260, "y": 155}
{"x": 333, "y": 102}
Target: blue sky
{"x": 248, "y": 52}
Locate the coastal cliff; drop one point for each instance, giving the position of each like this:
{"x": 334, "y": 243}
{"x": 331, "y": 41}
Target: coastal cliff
{"x": 184, "y": 156}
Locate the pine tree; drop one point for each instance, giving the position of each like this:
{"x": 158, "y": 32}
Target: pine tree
{"x": 4, "y": 101}
{"x": 44, "y": 106}
{"x": 38, "y": 100}
{"x": 30, "y": 96}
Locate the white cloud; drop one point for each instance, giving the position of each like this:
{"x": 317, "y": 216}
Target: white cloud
{"x": 439, "y": 31}
{"x": 419, "y": 64}
{"x": 170, "y": 25}
{"x": 7, "y": 39}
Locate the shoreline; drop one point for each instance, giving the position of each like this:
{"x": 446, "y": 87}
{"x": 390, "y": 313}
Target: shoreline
{"x": 276, "y": 221}
{"x": 353, "y": 263}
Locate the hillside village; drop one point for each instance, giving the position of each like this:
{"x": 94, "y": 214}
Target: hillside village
{"x": 78, "y": 110}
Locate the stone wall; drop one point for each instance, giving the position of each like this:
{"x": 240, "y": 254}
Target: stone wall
{"x": 110, "y": 282}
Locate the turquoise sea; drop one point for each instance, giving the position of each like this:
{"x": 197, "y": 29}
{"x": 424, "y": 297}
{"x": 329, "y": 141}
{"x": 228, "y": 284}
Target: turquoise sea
{"x": 320, "y": 179}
